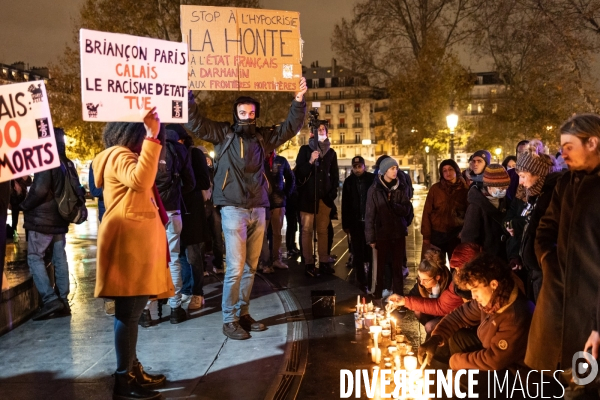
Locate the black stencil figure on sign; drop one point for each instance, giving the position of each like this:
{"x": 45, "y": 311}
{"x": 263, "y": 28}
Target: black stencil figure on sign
{"x": 177, "y": 109}
{"x": 36, "y": 92}
{"x": 43, "y": 129}
{"x": 93, "y": 109}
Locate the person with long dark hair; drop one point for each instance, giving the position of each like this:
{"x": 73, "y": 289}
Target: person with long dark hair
{"x": 132, "y": 242}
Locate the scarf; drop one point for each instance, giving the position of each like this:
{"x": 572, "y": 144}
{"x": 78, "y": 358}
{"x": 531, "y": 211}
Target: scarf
{"x": 322, "y": 147}
{"x": 535, "y": 189}
{"x": 451, "y": 188}
{"x": 500, "y": 297}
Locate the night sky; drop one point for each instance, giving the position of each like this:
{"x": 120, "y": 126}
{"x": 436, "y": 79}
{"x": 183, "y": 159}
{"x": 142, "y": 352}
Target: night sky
{"x": 35, "y": 31}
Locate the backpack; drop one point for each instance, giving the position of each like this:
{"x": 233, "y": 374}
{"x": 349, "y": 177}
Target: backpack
{"x": 71, "y": 202}
{"x": 171, "y": 168}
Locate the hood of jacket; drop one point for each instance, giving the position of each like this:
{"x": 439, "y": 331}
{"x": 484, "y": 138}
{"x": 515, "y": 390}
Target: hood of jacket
{"x": 100, "y": 162}
{"x": 172, "y": 136}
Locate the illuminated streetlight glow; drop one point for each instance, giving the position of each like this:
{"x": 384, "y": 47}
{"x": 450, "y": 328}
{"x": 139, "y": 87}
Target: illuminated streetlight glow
{"x": 498, "y": 151}
{"x": 211, "y": 154}
{"x": 452, "y": 121}
{"x": 427, "y": 149}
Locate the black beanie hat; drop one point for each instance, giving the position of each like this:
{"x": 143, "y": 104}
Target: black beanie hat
{"x": 451, "y": 163}
{"x": 486, "y": 155}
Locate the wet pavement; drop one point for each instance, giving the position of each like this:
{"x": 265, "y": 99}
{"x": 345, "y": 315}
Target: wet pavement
{"x": 297, "y": 357}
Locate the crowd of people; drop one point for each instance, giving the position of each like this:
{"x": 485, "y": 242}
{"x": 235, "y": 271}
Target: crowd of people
{"x": 507, "y": 258}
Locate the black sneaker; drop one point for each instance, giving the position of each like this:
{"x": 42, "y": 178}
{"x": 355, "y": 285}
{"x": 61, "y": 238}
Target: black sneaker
{"x": 178, "y": 315}
{"x": 250, "y": 324}
{"x": 145, "y": 319}
{"x": 48, "y": 309}
{"x": 234, "y": 331}
{"x": 326, "y": 268}
{"x": 311, "y": 270}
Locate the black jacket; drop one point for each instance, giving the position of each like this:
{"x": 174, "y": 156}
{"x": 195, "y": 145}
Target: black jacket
{"x": 387, "y": 212}
{"x": 484, "y": 223}
{"x": 171, "y": 191}
{"x": 281, "y": 181}
{"x": 240, "y": 179}
{"x": 328, "y": 176}
{"x": 354, "y": 199}
{"x": 193, "y": 215}
{"x": 40, "y": 207}
{"x": 540, "y": 205}
{"x": 566, "y": 244}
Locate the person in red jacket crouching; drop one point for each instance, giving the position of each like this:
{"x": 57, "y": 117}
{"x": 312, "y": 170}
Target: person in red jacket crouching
{"x": 501, "y": 311}
{"x": 435, "y": 295}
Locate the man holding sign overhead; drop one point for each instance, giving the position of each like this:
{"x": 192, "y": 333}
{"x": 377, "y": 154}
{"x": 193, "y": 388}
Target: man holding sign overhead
{"x": 241, "y": 193}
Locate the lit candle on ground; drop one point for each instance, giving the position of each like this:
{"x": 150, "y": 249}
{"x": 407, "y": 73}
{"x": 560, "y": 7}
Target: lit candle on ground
{"x": 410, "y": 363}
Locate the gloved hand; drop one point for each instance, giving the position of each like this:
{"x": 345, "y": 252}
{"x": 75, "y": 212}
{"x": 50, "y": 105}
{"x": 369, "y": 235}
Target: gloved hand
{"x": 428, "y": 348}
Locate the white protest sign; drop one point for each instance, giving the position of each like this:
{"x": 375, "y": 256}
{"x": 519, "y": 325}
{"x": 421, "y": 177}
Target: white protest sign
{"x": 27, "y": 143}
{"x": 124, "y": 76}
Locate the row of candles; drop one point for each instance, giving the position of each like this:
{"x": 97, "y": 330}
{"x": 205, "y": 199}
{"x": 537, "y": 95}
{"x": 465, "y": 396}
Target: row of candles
{"x": 386, "y": 331}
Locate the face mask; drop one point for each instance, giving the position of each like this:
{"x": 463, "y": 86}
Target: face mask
{"x": 246, "y": 126}
{"x": 498, "y": 193}
{"x": 322, "y": 138}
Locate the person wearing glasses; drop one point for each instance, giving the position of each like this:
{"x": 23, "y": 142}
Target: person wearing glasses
{"x": 428, "y": 299}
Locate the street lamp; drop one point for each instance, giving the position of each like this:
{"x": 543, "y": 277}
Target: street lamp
{"x": 498, "y": 151}
{"x": 428, "y": 165}
{"x": 452, "y": 121}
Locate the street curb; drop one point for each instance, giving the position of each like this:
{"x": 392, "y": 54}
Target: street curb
{"x": 287, "y": 383}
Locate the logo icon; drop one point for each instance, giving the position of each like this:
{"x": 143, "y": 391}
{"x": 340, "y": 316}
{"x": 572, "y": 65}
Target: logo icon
{"x": 177, "y": 109}
{"x": 93, "y": 109}
{"x": 36, "y": 92}
{"x": 42, "y": 127}
{"x": 584, "y": 368}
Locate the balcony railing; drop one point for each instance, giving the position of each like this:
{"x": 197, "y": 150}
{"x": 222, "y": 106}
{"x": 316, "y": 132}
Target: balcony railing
{"x": 357, "y": 125}
{"x": 342, "y": 126}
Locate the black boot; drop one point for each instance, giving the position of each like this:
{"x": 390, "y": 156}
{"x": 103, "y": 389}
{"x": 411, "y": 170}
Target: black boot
{"x": 178, "y": 315}
{"x": 311, "y": 270}
{"x": 326, "y": 268}
{"x": 145, "y": 379}
{"x": 145, "y": 319}
{"x": 126, "y": 388}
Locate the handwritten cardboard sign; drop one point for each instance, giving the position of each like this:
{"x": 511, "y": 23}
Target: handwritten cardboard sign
{"x": 242, "y": 48}
{"x": 124, "y": 76}
{"x": 27, "y": 143}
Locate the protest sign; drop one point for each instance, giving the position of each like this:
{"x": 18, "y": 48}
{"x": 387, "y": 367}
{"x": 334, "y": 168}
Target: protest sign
{"x": 242, "y": 48}
{"x": 124, "y": 76}
{"x": 27, "y": 143}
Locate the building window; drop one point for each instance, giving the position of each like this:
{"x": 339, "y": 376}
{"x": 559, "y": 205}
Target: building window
{"x": 327, "y": 82}
{"x": 469, "y": 109}
{"x": 327, "y": 95}
{"x": 493, "y": 92}
{"x": 342, "y": 123}
{"x": 357, "y": 138}
{"x": 327, "y": 108}
{"x": 480, "y": 80}
{"x": 328, "y": 123}
{"x": 342, "y": 137}
{"x": 357, "y": 94}
{"x": 342, "y": 152}
{"x": 480, "y": 108}
{"x": 494, "y": 108}
{"x": 315, "y": 83}
{"x": 342, "y": 82}
{"x": 342, "y": 109}
{"x": 315, "y": 96}
{"x": 357, "y": 123}
{"x": 341, "y": 94}
{"x": 357, "y": 107}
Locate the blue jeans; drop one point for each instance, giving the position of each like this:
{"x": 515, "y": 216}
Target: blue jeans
{"x": 174, "y": 238}
{"x": 192, "y": 269}
{"x": 243, "y": 230}
{"x": 37, "y": 245}
{"x": 127, "y": 314}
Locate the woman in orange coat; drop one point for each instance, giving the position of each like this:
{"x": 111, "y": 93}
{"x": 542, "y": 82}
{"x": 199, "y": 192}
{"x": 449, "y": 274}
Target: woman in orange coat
{"x": 132, "y": 243}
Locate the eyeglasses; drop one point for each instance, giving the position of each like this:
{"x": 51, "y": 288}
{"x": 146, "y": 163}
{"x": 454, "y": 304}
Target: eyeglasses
{"x": 426, "y": 281}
